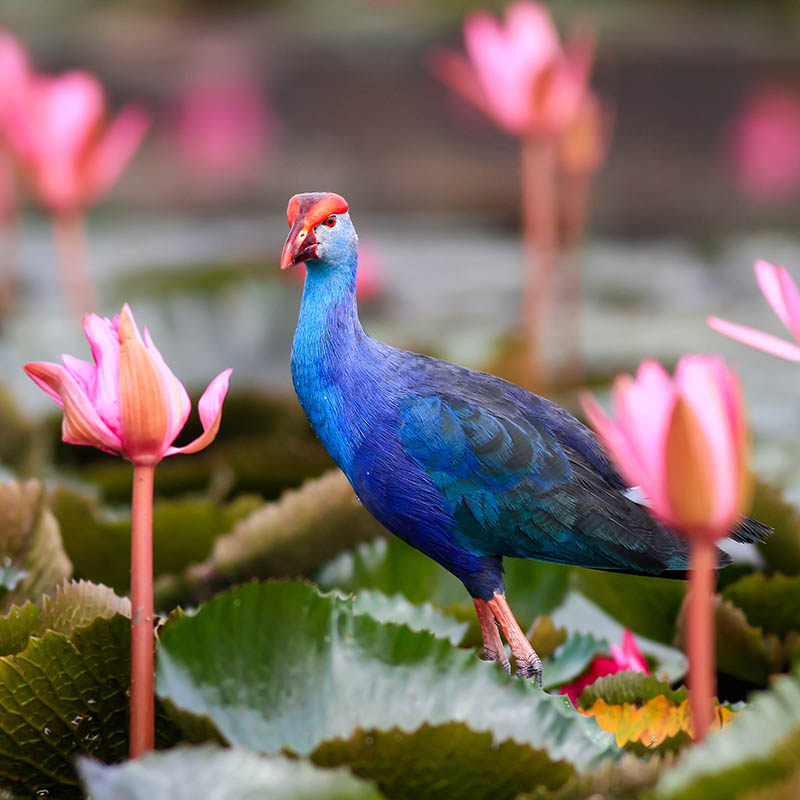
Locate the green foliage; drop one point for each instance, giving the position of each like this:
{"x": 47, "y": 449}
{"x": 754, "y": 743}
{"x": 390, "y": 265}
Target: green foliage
{"x": 99, "y": 542}
{"x": 31, "y": 550}
{"x": 781, "y": 550}
{"x": 771, "y": 603}
{"x": 279, "y": 665}
{"x": 212, "y": 773}
{"x": 573, "y": 658}
{"x": 629, "y": 687}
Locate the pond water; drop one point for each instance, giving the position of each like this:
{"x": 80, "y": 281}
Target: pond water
{"x": 452, "y": 287}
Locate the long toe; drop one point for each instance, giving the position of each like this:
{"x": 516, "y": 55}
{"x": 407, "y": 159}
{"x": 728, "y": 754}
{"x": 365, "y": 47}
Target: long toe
{"x": 530, "y": 667}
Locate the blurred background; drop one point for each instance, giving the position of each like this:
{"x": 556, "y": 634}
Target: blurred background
{"x": 253, "y": 101}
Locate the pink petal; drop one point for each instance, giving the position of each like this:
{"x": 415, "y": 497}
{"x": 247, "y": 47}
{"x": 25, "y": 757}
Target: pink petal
{"x": 791, "y": 300}
{"x": 177, "y": 398}
{"x": 210, "y": 409}
{"x": 455, "y": 72}
{"x": 81, "y": 424}
{"x": 758, "y": 339}
{"x": 116, "y": 147}
{"x": 104, "y": 343}
{"x": 768, "y": 279}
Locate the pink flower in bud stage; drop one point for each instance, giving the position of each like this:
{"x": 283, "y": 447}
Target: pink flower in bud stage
{"x": 518, "y": 74}
{"x": 60, "y": 135}
{"x": 682, "y": 441}
{"x": 781, "y": 293}
{"x": 128, "y": 402}
{"x": 627, "y": 657}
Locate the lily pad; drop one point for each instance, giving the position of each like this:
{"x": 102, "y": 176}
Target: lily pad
{"x": 629, "y": 687}
{"x": 279, "y": 665}
{"x": 30, "y": 544}
{"x": 188, "y": 773}
{"x": 771, "y": 603}
{"x": 781, "y": 549}
{"x": 572, "y": 659}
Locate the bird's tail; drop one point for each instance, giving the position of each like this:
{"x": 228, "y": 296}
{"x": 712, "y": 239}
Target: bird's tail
{"x": 750, "y": 531}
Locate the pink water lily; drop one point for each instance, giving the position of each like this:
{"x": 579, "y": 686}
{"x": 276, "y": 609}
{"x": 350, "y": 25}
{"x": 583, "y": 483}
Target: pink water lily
{"x": 628, "y": 657}
{"x": 518, "y": 74}
{"x": 68, "y": 150}
{"x": 127, "y": 402}
{"x": 782, "y": 294}
{"x": 682, "y": 440}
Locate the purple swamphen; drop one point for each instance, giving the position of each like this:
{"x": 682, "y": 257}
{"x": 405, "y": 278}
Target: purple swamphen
{"x": 462, "y": 465}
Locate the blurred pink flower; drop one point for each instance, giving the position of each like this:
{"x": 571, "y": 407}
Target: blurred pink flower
{"x": 587, "y": 136}
{"x": 14, "y": 73}
{"x": 764, "y": 145}
{"x": 625, "y": 658}
{"x": 60, "y": 136}
{"x": 782, "y": 295}
{"x": 223, "y": 127}
{"x": 682, "y": 441}
{"x": 517, "y": 73}
{"x": 128, "y": 402}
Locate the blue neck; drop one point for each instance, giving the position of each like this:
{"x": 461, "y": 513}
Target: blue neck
{"x": 327, "y": 355}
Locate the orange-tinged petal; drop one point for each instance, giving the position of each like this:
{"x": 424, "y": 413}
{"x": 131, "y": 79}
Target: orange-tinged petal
{"x": 689, "y": 472}
{"x": 143, "y": 397}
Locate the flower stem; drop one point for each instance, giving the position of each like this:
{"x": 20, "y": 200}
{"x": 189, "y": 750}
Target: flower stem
{"x": 540, "y": 230}
{"x": 701, "y": 636}
{"x": 142, "y": 720}
{"x": 69, "y": 232}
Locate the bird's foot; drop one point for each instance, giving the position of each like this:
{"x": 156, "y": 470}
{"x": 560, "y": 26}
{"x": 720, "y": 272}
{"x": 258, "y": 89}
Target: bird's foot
{"x": 530, "y": 666}
{"x": 501, "y": 658}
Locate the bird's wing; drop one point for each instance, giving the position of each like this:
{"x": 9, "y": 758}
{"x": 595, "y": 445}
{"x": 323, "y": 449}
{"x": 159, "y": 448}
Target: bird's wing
{"x": 516, "y": 488}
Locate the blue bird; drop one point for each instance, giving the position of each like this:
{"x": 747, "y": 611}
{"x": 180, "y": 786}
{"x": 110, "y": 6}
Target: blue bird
{"x": 464, "y": 466}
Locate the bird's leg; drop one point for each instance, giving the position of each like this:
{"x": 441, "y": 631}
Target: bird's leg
{"x": 492, "y": 644}
{"x": 529, "y": 665}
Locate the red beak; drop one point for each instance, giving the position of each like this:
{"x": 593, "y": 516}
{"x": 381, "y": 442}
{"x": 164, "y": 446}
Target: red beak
{"x": 301, "y": 244}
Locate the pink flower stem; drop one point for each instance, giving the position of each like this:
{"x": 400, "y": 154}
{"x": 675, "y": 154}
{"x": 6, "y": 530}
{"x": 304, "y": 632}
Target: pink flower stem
{"x": 575, "y": 201}
{"x": 540, "y": 230}
{"x": 69, "y": 231}
{"x": 700, "y": 636}
{"x": 142, "y": 721}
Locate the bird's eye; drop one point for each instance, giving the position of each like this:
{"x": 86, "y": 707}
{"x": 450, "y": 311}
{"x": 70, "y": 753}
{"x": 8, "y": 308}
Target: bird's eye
{"x": 331, "y": 221}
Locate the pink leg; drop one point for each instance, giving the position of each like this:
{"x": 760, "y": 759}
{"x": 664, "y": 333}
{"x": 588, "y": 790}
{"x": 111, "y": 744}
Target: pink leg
{"x": 492, "y": 644}
{"x": 529, "y": 665}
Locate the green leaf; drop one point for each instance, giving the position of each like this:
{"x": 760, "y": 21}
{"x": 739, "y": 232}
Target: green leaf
{"x": 65, "y": 696}
{"x": 75, "y": 604}
{"x": 278, "y": 665}
{"x": 572, "y": 659}
{"x": 533, "y": 588}
{"x": 30, "y": 543}
{"x": 448, "y": 761}
{"x": 781, "y": 550}
{"x": 648, "y": 606}
{"x": 291, "y": 537}
{"x": 99, "y": 541}
{"x": 629, "y": 687}
{"x": 761, "y": 744}
{"x": 211, "y": 773}
{"x": 419, "y": 618}
{"x": 769, "y": 602}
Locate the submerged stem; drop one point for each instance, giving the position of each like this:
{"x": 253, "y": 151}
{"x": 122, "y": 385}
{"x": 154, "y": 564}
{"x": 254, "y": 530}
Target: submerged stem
{"x": 700, "y": 636}
{"x": 142, "y": 721}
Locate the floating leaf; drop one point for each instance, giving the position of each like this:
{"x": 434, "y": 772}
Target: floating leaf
{"x": 99, "y": 542}
{"x": 652, "y": 723}
{"x": 64, "y": 696}
{"x": 448, "y": 761}
{"x": 629, "y": 687}
{"x": 75, "y": 604}
{"x": 288, "y": 538}
{"x": 741, "y": 650}
{"x": 533, "y": 588}
{"x": 545, "y": 637}
{"x": 771, "y": 603}
{"x": 761, "y": 744}
{"x": 278, "y": 665}
{"x": 648, "y": 606}
{"x": 572, "y": 659}
{"x": 781, "y": 549}
{"x": 211, "y": 773}
{"x": 30, "y": 543}
{"x": 419, "y": 618}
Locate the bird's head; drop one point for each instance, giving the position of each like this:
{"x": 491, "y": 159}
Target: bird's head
{"x": 321, "y": 230}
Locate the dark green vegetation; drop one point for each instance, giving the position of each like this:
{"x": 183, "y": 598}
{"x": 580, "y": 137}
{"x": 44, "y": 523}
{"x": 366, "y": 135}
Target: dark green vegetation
{"x": 368, "y": 684}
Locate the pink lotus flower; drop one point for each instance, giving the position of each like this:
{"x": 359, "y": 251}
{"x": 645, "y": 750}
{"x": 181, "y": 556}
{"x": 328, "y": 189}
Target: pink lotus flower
{"x": 586, "y": 138}
{"x": 764, "y": 145}
{"x": 518, "y": 74}
{"x": 14, "y": 73}
{"x": 682, "y": 441}
{"x": 127, "y": 402}
{"x": 59, "y": 134}
{"x": 782, "y": 295}
{"x": 625, "y": 658}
